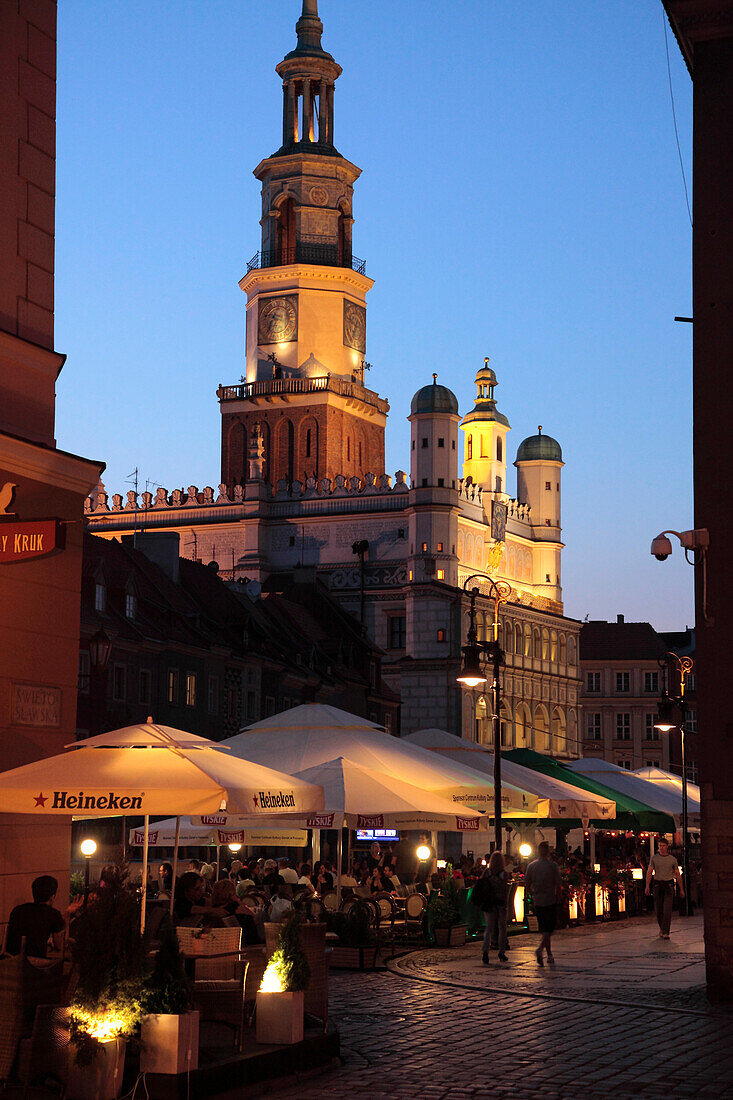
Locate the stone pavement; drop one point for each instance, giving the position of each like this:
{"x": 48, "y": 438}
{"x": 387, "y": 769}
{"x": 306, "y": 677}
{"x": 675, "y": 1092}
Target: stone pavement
{"x": 621, "y": 1014}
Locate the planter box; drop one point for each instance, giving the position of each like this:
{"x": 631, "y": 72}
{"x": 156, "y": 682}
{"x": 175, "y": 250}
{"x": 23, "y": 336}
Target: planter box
{"x": 102, "y": 1080}
{"x": 454, "y": 936}
{"x": 169, "y": 1044}
{"x": 280, "y": 1017}
{"x": 353, "y": 958}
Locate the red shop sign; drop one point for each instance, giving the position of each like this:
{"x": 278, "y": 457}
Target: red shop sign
{"x": 27, "y": 539}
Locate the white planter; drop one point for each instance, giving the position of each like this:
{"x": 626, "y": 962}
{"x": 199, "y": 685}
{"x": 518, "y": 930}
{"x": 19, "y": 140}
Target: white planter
{"x": 169, "y": 1044}
{"x": 102, "y": 1080}
{"x": 280, "y": 1017}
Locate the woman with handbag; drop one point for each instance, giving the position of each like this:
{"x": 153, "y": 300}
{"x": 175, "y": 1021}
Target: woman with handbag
{"x": 490, "y": 894}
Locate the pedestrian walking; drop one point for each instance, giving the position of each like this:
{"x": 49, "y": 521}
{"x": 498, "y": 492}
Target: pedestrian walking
{"x": 665, "y": 870}
{"x": 542, "y": 882}
{"x": 489, "y": 895}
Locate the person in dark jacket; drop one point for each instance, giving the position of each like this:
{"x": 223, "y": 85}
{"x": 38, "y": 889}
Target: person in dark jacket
{"x": 490, "y": 894}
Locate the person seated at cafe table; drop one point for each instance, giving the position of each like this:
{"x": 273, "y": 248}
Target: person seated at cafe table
{"x": 190, "y": 900}
{"x": 271, "y": 876}
{"x": 37, "y": 920}
{"x": 304, "y": 875}
{"x": 322, "y": 879}
{"x": 379, "y": 883}
{"x": 287, "y": 872}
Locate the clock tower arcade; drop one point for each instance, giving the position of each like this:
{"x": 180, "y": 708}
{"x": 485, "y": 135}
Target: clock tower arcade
{"x": 303, "y": 395}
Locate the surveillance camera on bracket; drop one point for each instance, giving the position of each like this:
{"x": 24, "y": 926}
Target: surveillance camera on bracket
{"x": 697, "y": 540}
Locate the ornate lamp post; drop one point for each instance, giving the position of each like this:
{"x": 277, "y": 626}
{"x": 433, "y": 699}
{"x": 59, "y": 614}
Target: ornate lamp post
{"x": 668, "y": 704}
{"x": 472, "y": 674}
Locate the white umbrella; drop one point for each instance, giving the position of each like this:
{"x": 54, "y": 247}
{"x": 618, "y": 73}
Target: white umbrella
{"x": 556, "y": 798}
{"x": 149, "y": 769}
{"x": 312, "y": 734}
{"x": 656, "y": 795}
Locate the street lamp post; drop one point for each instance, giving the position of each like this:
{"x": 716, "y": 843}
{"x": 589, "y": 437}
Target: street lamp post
{"x": 667, "y": 705}
{"x": 472, "y": 674}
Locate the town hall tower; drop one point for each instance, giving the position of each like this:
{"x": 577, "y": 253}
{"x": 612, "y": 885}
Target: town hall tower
{"x": 306, "y": 299}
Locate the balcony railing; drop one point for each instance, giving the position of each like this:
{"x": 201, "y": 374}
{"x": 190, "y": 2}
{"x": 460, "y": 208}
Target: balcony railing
{"x": 307, "y": 252}
{"x": 247, "y": 391}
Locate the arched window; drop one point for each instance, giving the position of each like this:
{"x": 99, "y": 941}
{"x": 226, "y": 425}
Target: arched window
{"x": 343, "y": 256}
{"x": 506, "y": 726}
{"x": 481, "y": 627}
{"x": 308, "y": 443}
{"x": 286, "y": 232}
{"x": 483, "y": 732}
{"x": 559, "y": 741}
{"x": 507, "y": 631}
{"x": 291, "y": 450}
{"x": 536, "y": 642}
{"x": 571, "y": 651}
{"x": 553, "y": 646}
{"x": 522, "y": 727}
{"x": 499, "y": 449}
{"x": 527, "y": 640}
{"x": 469, "y": 447}
{"x": 541, "y": 729}
{"x": 545, "y": 644}
{"x": 518, "y": 642}
{"x": 563, "y": 649}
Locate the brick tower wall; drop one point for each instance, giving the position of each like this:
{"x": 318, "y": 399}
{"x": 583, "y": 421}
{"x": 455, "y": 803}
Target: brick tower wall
{"x": 340, "y": 443}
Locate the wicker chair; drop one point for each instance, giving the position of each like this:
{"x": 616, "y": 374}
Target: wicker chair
{"x": 46, "y": 1052}
{"x": 313, "y": 941}
{"x": 415, "y": 907}
{"x": 220, "y": 967}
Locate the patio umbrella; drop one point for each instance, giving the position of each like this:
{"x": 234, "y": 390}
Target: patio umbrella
{"x": 150, "y": 769}
{"x": 664, "y": 794}
{"x": 631, "y": 813}
{"x": 312, "y": 734}
{"x": 557, "y": 799}
{"x": 362, "y": 798}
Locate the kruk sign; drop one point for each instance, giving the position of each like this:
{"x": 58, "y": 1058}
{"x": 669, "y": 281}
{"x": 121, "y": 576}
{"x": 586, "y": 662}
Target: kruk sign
{"x": 33, "y": 538}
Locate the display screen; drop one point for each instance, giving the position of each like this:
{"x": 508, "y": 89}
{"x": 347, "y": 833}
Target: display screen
{"x": 377, "y": 834}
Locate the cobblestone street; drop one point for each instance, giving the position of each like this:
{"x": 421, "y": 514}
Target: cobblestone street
{"x": 621, "y": 1014}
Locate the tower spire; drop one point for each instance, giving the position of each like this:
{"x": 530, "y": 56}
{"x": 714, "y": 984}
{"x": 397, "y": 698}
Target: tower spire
{"x": 309, "y": 28}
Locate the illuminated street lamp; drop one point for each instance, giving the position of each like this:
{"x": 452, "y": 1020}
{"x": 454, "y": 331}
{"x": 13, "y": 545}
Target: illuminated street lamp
{"x": 472, "y": 675}
{"x": 88, "y": 848}
{"x": 525, "y": 850}
{"x": 668, "y": 705}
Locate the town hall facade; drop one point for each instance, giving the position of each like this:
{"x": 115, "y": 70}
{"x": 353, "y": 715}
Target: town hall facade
{"x": 303, "y": 486}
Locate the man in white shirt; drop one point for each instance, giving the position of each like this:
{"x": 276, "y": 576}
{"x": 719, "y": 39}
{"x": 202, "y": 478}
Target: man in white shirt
{"x": 665, "y": 870}
{"x": 287, "y": 873}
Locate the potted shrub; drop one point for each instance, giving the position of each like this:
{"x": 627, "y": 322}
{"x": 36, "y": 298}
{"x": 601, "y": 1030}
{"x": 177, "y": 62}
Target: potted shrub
{"x": 169, "y": 1030}
{"x": 105, "y": 1012}
{"x": 444, "y": 915}
{"x": 280, "y": 1000}
{"x": 357, "y": 947}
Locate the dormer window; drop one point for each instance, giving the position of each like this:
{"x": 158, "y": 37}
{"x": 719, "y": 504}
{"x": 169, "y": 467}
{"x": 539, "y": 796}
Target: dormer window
{"x": 100, "y": 596}
{"x": 130, "y": 605}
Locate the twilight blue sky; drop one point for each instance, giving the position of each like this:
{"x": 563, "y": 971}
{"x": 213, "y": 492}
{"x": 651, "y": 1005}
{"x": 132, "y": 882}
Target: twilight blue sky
{"x": 521, "y": 198}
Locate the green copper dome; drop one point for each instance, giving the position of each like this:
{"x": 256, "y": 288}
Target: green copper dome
{"x": 539, "y": 448}
{"x": 434, "y": 399}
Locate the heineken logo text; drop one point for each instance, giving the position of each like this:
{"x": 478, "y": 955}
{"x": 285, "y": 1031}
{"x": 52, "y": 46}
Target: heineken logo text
{"x": 274, "y": 800}
{"x": 62, "y": 800}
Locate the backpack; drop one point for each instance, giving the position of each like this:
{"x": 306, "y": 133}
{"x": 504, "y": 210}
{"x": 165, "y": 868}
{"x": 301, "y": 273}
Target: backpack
{"x": 482, "y": 895}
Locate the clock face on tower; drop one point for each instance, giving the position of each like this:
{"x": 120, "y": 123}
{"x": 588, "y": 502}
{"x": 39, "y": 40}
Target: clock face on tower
{"x": 278, "y": 320}
{"x": 354, "y": 326}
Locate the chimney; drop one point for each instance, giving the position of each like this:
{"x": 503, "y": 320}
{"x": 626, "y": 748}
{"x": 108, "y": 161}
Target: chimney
{"x": 160, "y": 547}
{"x": 619, "y": 618}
